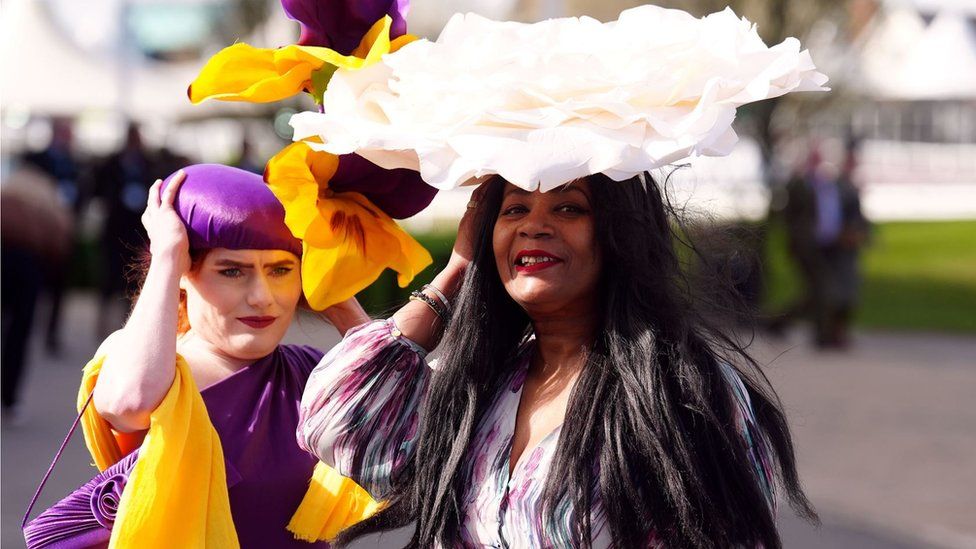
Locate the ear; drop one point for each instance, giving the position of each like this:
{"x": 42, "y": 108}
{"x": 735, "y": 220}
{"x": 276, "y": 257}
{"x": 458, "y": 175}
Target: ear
{"x": 183, "y": 282}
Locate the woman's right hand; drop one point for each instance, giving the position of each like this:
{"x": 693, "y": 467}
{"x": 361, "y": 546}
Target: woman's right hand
{"x": 168, "y": 239}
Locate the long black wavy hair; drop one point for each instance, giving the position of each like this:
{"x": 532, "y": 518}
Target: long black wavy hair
{"x": 651, "y": 406}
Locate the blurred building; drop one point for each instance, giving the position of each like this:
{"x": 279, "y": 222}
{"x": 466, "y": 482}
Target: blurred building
{"x": 109, "y": 62}
{"x": 904, "y": 78}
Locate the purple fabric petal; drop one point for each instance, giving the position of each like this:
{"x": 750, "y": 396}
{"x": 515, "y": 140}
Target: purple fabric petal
{"x": 400, "y": 193}
{"x": 105, "y": 499}
{"x": 341, "y": 24}
{"x": 85, "y": 517}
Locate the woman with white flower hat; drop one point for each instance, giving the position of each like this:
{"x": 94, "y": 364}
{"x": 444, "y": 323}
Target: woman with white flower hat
{"x": 579, "y": 398}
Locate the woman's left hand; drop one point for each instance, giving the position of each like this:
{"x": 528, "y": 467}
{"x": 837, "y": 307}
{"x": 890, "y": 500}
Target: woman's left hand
{"x": 463, "y": 250}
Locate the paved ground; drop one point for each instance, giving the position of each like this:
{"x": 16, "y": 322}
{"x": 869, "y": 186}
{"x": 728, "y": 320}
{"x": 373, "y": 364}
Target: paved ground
{"x": 886, "y": 435}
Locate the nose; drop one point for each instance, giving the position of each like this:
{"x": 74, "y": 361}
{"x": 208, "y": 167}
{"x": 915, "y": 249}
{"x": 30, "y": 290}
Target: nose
{"x": 259, "y": 295}
{"x": 535, "y": 224}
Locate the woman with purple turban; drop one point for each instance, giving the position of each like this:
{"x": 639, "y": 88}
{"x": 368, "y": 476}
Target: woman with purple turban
{"x": 220, "y": 289}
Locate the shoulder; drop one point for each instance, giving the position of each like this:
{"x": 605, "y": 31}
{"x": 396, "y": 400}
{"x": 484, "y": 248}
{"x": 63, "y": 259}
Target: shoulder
{"x": 303, "y": 358}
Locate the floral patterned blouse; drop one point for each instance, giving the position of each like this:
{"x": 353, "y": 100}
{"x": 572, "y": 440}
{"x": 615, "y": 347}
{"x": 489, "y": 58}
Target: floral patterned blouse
{"x": 360, "y": 412}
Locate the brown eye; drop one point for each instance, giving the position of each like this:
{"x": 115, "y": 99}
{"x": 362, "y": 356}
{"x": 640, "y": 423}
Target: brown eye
{"x": 571, "y": 208}
{"x": 514, "y": 210}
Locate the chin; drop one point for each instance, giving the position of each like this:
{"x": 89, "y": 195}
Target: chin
{"x": 251, "y": 347}
{"x": 534, "y": 301}
{"x": 533, "y": 292}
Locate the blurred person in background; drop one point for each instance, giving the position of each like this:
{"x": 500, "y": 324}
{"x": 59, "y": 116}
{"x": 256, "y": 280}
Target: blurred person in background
{"x": 122, "y": 182}
{"x": 841, "y": 252}
{"x": 825, "y": 232}
{"x": 36, "y": 231}
{"x": 799, "y": 215}
{"x": 59, "y": 160}
{"x": 827, "y": 226}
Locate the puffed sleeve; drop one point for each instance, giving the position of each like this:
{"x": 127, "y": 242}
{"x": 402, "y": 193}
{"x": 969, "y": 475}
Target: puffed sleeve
{"x": 760, "y": 451}
{"x": 359, "y": 412}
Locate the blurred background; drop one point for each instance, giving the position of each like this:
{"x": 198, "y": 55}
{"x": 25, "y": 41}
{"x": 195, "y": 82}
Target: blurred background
{"x": 848, "y": 223}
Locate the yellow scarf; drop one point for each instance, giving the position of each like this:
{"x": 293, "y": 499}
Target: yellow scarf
{"x": 179, "y": 477}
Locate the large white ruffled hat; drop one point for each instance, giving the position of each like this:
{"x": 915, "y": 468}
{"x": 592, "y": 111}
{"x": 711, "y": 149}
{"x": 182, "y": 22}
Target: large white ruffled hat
{"x": 546, "y": 103}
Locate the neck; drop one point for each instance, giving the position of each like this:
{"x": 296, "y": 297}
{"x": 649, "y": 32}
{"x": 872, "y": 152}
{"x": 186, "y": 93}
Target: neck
{"x": 562, "y": 342}
{"x": 194, "y": 348}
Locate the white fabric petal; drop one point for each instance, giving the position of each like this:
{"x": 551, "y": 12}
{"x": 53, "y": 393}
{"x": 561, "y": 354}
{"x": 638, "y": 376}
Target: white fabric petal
{"x": 542, "y": 104}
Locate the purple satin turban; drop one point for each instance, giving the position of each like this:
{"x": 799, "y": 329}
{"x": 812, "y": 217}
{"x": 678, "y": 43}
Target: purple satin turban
{"x": 224, "y": 207}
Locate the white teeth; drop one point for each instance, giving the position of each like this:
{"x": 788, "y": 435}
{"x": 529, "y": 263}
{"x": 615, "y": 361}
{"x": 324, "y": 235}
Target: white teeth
{"x": 532, "y": 260}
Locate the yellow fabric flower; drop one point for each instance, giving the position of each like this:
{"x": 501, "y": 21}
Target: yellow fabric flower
{"x": 347, "y": 240}
{"x": 261, "y": 75}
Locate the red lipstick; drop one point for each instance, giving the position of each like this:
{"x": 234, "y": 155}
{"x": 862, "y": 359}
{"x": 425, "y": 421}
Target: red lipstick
{"x": 533, "y": 261}
{"x": 257, "y": 321}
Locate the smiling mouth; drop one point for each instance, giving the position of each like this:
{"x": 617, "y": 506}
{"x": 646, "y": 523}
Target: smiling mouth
{"x": 257, "y": 321}
{"x": 530, "y": 261}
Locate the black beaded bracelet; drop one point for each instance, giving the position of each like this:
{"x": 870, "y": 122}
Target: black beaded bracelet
{"x": 417, "y": 295}
{"x": 440, "y": 295}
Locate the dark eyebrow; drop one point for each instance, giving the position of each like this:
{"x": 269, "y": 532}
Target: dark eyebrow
{"x": 568, "y": 187}
{"x": 239, "y": 265}
{"x": 232, "y": 263}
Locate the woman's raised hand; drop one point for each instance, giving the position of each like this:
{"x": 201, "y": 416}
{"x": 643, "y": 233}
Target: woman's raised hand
{"x": 464, "y": 243}
{"x": 167, "y": 234}
{"x": 415, "y": 319}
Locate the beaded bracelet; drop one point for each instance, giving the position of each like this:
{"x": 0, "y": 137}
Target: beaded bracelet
{"x": 440, "y": 295}
{"x": 417, "y": 295}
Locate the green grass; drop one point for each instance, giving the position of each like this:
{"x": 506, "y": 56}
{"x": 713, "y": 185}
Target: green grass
{"x": 916, "y": 276}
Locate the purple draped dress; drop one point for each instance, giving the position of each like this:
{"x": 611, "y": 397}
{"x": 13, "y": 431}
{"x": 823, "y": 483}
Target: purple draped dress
{"x": 255, "y": 413}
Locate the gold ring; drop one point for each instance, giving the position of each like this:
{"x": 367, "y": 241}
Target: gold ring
{"x": 472, "y": 204}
